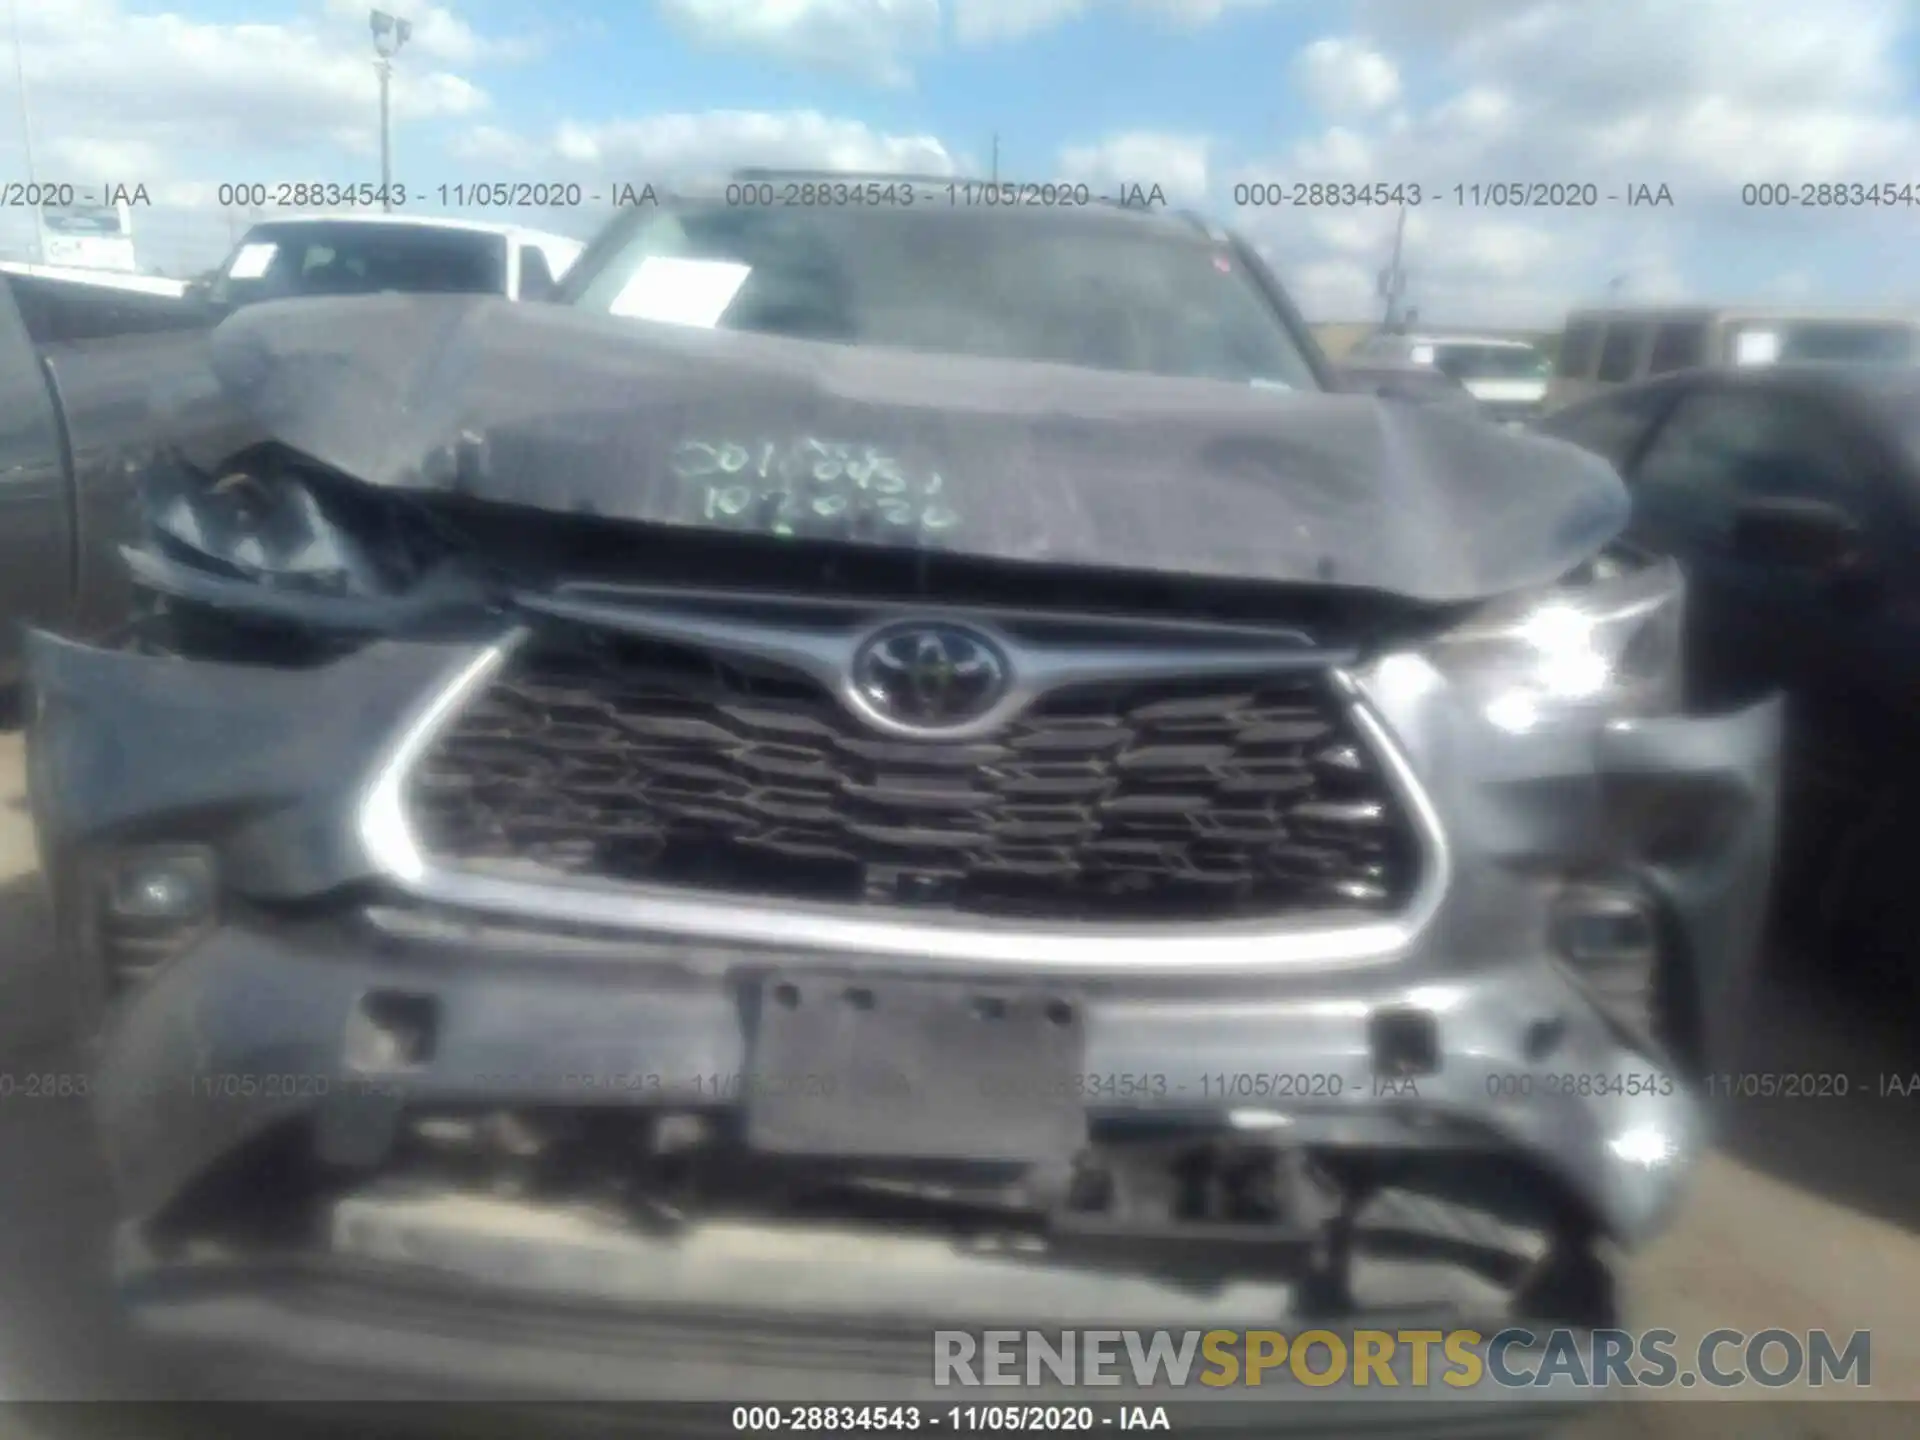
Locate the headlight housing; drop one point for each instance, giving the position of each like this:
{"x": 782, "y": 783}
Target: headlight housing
{"x": 1606, "y": 640}
{"x": 288, "y": 528}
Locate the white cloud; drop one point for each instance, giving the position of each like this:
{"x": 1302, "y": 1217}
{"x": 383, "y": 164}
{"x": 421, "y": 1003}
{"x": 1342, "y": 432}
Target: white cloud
{"x": 657, "y": 148}
{"x": 1335, "y": 154}
{"x": 984, "y": 22}
{"x": 115, "y": 95}
{"x": 159, "y": 92}
{"x": 1480, "y": 108}
{"x": 1175, "y": 163}
{"x": 1345, "y": 77}
{"x": 1713, "y": 90}
{"x": 1789, "y": 286}
{"x": 879, "y": 39}
{"x": 867, "y": 37}
{"x": 1700, "y": 97}
{"x": 1331, "y": 289}
{"x": 1200, "y": 12}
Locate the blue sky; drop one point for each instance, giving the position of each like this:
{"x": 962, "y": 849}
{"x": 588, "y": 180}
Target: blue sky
{"x": 1194, "y": 95}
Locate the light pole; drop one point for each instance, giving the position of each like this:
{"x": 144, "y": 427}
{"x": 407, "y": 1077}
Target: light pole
{"x": 1393, "y": 279}
{"x": 390, "y": 32}
{"x": 26, "y": 133}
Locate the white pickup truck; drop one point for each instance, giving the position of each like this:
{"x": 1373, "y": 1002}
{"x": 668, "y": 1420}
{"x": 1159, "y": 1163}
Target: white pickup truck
{"x": 1507, "y": 376}
{"x": 363, "y": 254}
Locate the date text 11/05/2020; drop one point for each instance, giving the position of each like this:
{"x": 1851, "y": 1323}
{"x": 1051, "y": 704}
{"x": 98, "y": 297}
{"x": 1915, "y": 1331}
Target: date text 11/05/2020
{"x": 1478, "y": 195}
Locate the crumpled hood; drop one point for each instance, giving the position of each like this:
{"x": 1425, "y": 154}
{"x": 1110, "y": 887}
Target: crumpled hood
{"x": 573, "y": 412}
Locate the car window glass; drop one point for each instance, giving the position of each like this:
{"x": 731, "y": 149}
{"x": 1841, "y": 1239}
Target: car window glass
{"x": 1617, "y": 353}
{"x": 536, "y": 276}
{"x": 1847, "y": 343}
{"x": 1467, "y": 361}
{"x": 1578, "y": 349}
{"x": 348, "y": 257}
{"x": 1723, "y": 447}
{"x": 1610, "y": 427}
{"x": 1141, "y": 300}
{"x": 1678, "y": 345}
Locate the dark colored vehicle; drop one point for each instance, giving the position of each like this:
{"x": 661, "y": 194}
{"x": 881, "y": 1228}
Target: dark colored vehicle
{"x": 78, "y": 361}
{"x": 875, "y": 767}
{"x": 1791, "y": 494}
{"x": 1422, "y": 384}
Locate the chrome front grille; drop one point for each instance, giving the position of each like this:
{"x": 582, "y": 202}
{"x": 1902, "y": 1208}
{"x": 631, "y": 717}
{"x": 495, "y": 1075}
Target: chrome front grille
{"x": 599, "y": 754}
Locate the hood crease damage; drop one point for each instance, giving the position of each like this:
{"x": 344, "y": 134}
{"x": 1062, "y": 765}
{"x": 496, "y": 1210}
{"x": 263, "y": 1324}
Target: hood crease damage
{"x": 537, "y": 406}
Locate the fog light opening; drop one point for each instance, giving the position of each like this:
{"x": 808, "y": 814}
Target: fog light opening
{"x": 1609, "y": 938}
{"x": 161, "y": 889}
{"x": 148, "y": 905}
{"x": 392, "y": 1030}
{"x": 1599, "y": 926}
{"x": 1405, "y": 1043}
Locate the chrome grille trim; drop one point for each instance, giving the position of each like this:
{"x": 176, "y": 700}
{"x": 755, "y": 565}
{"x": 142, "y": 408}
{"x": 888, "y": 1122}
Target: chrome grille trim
{"x": 811, "y": 932}
{"x": 822, "y": 647}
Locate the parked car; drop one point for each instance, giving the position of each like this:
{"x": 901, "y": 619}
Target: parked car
{"x": 1419, "y": 383}
{"x": 1791, "y": 494}
{"x": 1507, "y": 376}
{"x": 79, "y": 353}
{"x": 860, "y": 730}
{"x": 1602, "y": 348}
{"x": 363, "y": 254}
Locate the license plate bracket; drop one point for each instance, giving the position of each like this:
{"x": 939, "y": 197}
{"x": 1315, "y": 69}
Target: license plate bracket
{"x": 913, "y": 1069}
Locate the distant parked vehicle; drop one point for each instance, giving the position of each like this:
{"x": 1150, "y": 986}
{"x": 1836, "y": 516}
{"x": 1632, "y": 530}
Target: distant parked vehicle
{"x": 1791, "y": 496}
{"x": 367, "y": 254}
{"x": 1419, "y": 383}
{"x": 1601, "y": 348}
{"x": 1508, "y": 377}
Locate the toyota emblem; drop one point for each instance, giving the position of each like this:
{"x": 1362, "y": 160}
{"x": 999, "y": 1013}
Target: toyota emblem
{"x": 931, "y": 676}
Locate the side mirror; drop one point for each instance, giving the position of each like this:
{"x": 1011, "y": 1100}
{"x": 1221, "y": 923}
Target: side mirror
{"x": 1809, "y": 535}
{"x": 199, "y": 297}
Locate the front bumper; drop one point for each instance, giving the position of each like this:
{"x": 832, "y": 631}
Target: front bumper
{"x": 260, "y": 1025}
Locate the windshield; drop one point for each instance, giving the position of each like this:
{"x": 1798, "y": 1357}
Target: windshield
{"x": 1490, "y": 362}
{"x": 83, "y": 220}
{"x": 1096, "y": 292}
{"x": 1850, "y": 341}
{"x": 277, "y": 262}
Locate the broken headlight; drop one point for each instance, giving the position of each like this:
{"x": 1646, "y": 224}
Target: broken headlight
{"x": 1607, "y": 640}
{"x": 289, "y": 529}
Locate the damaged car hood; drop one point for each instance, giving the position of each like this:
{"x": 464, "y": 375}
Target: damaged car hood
{"x": 587, "y": 414}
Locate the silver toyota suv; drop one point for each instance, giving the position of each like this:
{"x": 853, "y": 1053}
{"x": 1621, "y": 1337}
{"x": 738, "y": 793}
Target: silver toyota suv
{"x": 887, "y": 763}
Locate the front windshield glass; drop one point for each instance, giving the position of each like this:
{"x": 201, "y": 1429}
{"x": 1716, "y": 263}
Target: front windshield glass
{"x": 1101, "y": 292}
{"x": 277, "y": 262}
{"x": 1491, "y": 362}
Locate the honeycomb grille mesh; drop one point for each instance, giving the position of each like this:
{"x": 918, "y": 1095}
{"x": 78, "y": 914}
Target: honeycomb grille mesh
{"x": 603, "y": 756}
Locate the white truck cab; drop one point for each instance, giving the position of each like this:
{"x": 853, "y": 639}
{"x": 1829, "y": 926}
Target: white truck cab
{"x": 1508, "y": 377}
{"x": 357, "y": 254}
